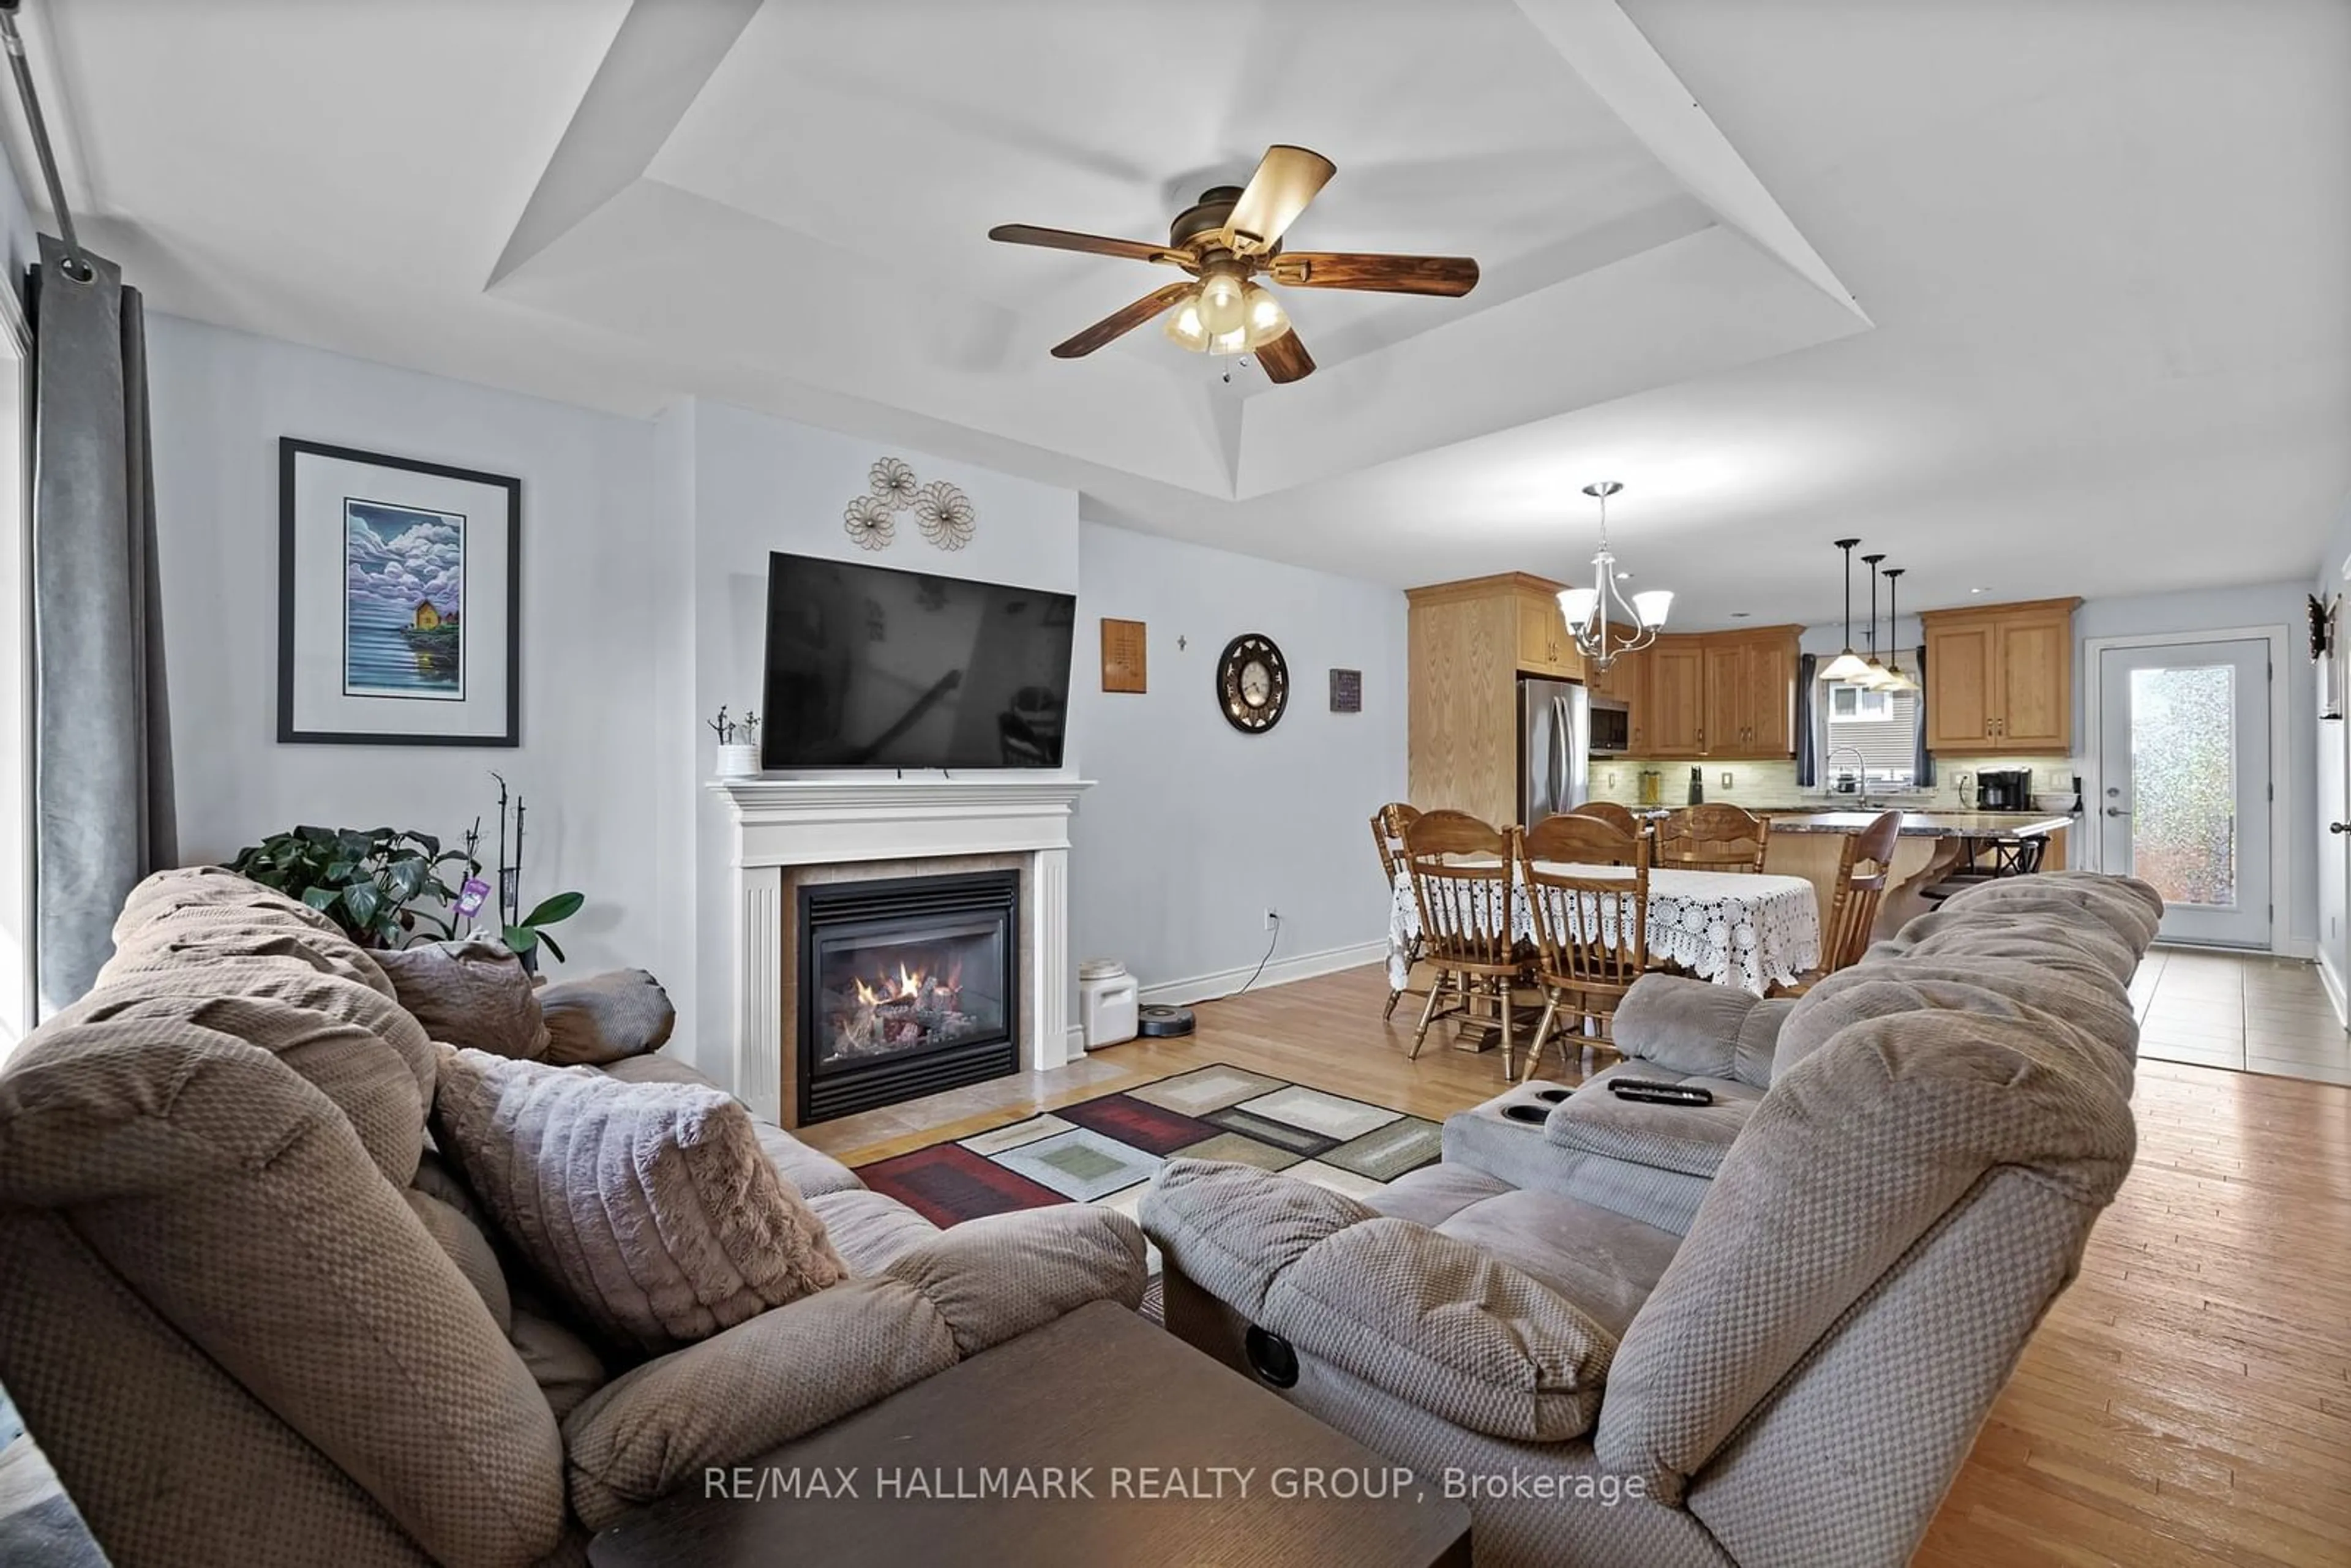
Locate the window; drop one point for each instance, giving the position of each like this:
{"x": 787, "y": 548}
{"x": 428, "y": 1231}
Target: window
{"x": 17, "y": 982}
{"x": 1882, "y": 726}
{"x": 1859, "y": 703}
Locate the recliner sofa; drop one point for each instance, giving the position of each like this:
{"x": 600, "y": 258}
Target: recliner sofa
{"x": 1763, "y": 1332}
{"x": 251, "y": 1320}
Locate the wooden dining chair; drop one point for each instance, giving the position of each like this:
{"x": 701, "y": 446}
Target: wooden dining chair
{"x": 1618, "y": 817}
{"x": 1388, "y": 824}
{"x": 1465, "y": 914}
{"x": 1591, "y": 930}
{"x": 1862, "y": 872}
{"x": 1712, "y": 837}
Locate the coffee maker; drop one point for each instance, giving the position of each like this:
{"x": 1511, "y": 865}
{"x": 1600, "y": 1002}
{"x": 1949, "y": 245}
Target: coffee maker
{"x": 2004, "y": 789}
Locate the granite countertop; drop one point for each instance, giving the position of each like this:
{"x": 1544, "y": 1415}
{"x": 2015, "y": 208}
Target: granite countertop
{"x": 1930, "y": 824}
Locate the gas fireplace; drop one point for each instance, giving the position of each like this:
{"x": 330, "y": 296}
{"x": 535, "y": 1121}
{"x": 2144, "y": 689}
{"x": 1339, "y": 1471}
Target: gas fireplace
{"x": 907, "y": 986}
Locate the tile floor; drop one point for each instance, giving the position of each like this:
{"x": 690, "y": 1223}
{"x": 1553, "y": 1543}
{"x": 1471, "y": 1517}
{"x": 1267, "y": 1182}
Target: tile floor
{"x": 2252, "y": 1014}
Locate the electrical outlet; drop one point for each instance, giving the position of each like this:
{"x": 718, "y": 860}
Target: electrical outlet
{"x": 1272, "y": 918}
{"x": 1726, "y": 778}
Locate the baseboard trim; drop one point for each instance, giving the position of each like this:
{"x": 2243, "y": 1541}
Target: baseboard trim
{"x": 2333, "y": 981}
{"x": 1278, "y": 972}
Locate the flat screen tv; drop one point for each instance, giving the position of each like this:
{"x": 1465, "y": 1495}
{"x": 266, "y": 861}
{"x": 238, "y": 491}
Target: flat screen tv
{"x": 871, "y": 667}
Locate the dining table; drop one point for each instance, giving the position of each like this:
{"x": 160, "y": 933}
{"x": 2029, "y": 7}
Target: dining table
{"x": 1747, "y": 929}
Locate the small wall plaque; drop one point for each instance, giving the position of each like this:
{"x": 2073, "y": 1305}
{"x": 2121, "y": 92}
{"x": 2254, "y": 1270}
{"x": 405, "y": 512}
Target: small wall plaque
{"x": 1123, "y": 656}
{"x": 1346, "y": 691}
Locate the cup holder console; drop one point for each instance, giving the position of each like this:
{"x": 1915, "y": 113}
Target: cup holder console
{"x": 1551, "y": 1096}
{"x": 1534, "y": 1116}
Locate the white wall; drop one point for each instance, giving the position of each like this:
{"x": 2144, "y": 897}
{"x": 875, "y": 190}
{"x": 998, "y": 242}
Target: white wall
{"x": 591, "y": 606}
{"x": 1193, "y": 830}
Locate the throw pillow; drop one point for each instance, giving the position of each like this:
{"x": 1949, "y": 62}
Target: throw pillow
{"x": 474, "y": 994}
{"x": 623, "y": 1012}
{"x": 649, "y": 1207}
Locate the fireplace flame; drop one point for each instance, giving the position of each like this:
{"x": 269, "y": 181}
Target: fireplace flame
{"x": 911, "y": 985}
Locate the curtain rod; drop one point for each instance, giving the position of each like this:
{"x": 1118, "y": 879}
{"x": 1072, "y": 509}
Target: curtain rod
{"x": 78, "y": 266}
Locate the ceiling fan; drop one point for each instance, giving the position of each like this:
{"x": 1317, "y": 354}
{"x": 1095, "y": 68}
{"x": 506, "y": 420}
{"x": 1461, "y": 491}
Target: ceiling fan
{"x": 1224, "y": 240}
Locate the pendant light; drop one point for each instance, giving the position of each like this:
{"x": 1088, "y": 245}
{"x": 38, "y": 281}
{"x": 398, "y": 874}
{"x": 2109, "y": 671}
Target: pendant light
{"x": 1847, "y": 665}
{"x": 1897, "y": 679}
{"x": 1876, "y": 677}
{"x": 1588, "y": 610}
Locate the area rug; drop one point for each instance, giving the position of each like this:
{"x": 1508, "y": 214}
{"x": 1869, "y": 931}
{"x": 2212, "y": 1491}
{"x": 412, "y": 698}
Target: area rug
{"x": 1106, "y": 1150}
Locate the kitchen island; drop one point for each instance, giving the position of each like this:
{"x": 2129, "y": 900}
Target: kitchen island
{"x": 1810, "y": 844}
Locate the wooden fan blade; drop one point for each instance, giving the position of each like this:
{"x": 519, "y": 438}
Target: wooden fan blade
{"x": 1092, "y": 245}
{"x": 1287, "y": 178}
{"x": 1121, "y": 322}
{"x": 1285, "y": 359}
{"x": 1448, "y": 275}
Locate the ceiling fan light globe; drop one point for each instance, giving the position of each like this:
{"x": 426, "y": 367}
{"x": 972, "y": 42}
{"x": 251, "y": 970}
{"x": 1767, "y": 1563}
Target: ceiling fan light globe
{"x": 1651, "y": 607}
{"x": 1183, "y": 328}
{"x": 1848, "y": 666}
{"x": 1223, "y": 305}
{"x": 1265, "y": 320}
{"x": 1577, "y": 605}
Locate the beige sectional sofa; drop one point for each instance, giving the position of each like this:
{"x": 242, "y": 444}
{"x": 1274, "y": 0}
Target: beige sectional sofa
{"x": 1763, "y": 1332}
{"x": 254, "y": 1320}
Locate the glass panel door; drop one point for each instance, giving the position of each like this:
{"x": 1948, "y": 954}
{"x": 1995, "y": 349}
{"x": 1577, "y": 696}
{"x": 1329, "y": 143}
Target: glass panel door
{"x": 2184, "y": 755}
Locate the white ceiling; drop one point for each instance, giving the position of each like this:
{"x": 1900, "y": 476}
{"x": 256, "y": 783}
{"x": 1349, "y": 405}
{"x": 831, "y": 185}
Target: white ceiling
{"x": 2035, "y": 297}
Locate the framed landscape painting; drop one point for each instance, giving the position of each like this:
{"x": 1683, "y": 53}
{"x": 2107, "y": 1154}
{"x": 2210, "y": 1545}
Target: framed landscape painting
{"x": 399, "y": 600}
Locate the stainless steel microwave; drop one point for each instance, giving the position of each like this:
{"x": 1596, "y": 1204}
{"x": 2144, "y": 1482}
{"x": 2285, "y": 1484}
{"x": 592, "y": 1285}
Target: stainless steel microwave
{"x": 1612, "y": 727}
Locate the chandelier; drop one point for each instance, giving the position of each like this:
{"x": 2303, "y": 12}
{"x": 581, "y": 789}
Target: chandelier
{"x": 1590, "y": 610}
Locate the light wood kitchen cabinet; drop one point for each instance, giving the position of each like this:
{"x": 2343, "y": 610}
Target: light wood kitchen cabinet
{"x": 1469, "y": 642}
{"x": 1727, "y": 694}
{"x": 1999, "y": 677}
{"x": 1546, "y": 647}
{"x": 1677, "y": 683}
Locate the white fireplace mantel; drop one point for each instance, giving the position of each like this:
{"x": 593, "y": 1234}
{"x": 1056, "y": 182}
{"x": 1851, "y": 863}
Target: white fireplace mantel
{"x": 781, "y": 822}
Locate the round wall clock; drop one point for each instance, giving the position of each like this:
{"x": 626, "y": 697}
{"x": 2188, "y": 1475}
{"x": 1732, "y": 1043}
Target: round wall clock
{"x": 1252, "y": 684}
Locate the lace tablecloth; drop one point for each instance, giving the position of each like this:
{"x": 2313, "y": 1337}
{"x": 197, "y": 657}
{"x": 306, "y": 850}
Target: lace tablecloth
{"x": 1733, "y": 927}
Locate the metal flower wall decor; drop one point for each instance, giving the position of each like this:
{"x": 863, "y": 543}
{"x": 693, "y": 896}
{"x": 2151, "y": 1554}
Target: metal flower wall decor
{"x": 944, "y": 514}
{"x": 869, "y": 522}
{"x": 942, "y": 511}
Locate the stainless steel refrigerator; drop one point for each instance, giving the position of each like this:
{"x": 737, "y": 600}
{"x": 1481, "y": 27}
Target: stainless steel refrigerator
{"x": 1554, "y": 747}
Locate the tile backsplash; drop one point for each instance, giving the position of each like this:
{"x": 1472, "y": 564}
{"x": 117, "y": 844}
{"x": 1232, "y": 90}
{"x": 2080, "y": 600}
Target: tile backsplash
{"x": 1773, "y": 784}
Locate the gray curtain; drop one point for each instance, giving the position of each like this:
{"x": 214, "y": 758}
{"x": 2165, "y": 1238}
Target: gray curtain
{"x": 102, "y": 768}
{"x": 1808, "y": 729}
{"x": 1922, "y": 766}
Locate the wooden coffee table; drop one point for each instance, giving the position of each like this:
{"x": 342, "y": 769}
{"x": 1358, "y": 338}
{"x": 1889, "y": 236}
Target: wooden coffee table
{"x": 1123, "y": 1445}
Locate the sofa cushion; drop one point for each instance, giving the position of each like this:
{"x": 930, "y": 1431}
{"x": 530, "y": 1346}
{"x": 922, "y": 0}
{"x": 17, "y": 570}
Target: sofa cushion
{"x": 1428, "y": 1318}
{"x": 789, "y": 1371}
{"x": 604, "y": 1018}
{"x": 1690, "y": 1139}
{"x": 239, "y": 1205}
{"x": 355, "y": 1047}
{"x": 1699, "y": 1028}
{"x": 650, "y": 1207}
{"x": 870, "y": 1230}
{"x": 474, "y": 994}
{"x": 177, "y": 919}
{"x": 1605, "y": 1262}
{"x": 741, "y": 1392}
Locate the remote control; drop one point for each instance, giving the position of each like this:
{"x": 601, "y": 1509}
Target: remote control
{"x": 1655, "y": 1092}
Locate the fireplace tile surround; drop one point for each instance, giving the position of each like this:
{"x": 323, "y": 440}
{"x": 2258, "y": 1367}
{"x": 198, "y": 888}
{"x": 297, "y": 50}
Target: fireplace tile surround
{"x": 791, "y": 832}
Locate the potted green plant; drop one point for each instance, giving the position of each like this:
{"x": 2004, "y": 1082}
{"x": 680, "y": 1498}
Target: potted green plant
{"x": 369, "y": 882}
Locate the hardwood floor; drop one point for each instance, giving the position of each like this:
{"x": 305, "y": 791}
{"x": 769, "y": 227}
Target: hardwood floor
{"x": 2187, "y": 1403}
